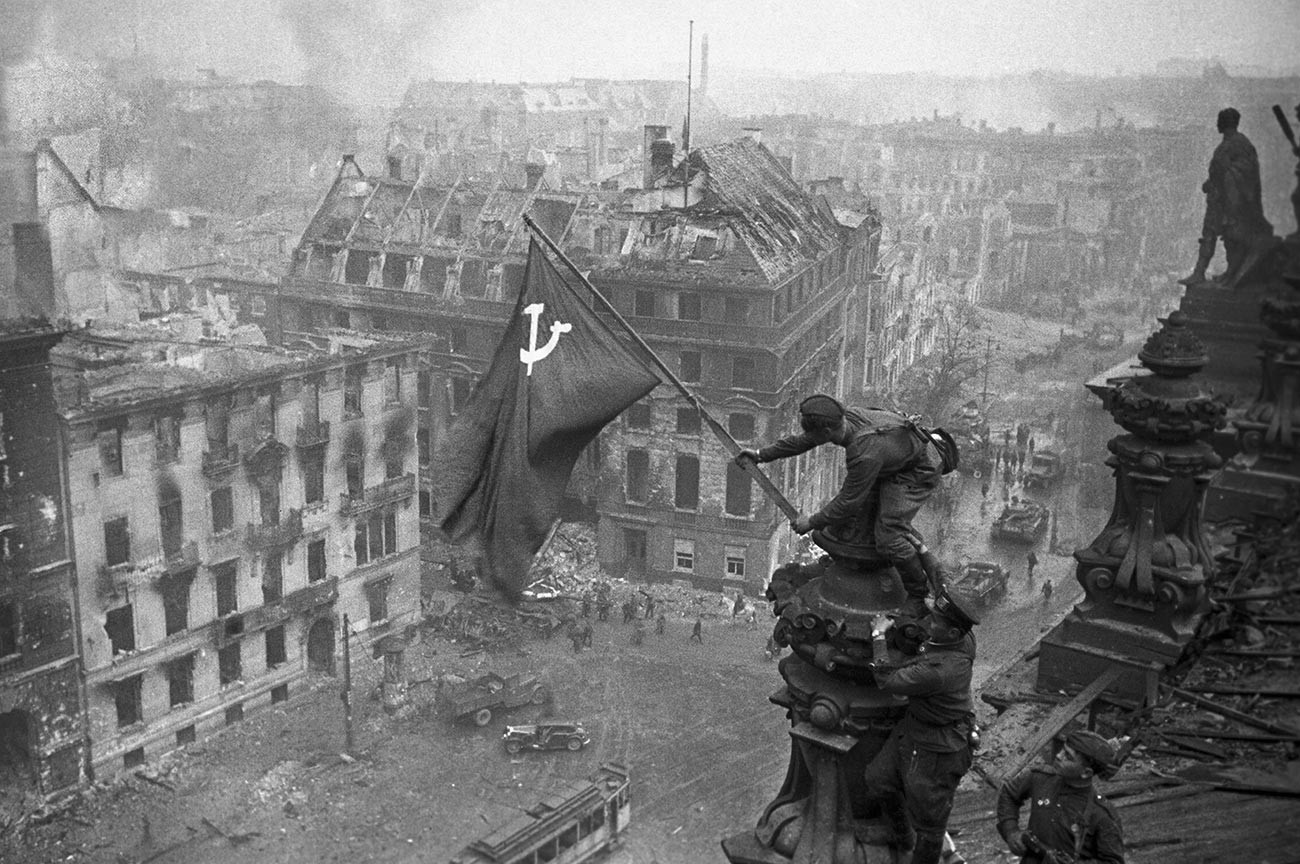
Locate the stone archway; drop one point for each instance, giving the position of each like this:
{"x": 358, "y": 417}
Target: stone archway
{"x": 320, "y": 647}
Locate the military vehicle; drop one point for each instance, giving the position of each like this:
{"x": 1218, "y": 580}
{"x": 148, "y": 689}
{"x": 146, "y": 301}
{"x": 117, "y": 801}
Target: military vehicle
{"x": 477, "y": 699}
{"x": 1044, "y": 469}
{"x": 1022, "y": 521}
{"x": 983, "y": 581}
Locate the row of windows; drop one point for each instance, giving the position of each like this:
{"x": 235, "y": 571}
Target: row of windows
{"x": 117, "y": 535}
{"x": 167, "y": 426}
{"x": 375, "y": 539}
{"x": 635, "y": 545}
{"x": 738, "y": 500}
{"x": 640, "y": 415}
{"x": 128, "y": 692}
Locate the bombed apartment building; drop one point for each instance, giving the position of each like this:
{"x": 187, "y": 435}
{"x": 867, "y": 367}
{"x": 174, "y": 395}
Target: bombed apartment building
{"x": 233, "y": 503}
{"x": 743, "y": 284}
{"x": 386, "y": 254}
{"x": 42, "y": 728}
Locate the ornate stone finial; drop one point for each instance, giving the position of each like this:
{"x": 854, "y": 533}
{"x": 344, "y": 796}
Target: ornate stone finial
{"x": 1174, "y": 350}
{"x": 1168, "y": 406}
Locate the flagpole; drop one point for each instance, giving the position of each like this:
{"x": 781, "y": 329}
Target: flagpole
{"x": 729, "y": 443}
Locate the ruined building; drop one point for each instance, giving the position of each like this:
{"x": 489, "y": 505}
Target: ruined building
{"x": 746, "y": 287}
{"x": 42, "y": 727}
{"x": 445, "y": 260}
{"x": 233, "y": 503}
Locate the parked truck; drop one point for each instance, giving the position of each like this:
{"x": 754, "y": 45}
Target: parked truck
{"x": 479, "y": 698}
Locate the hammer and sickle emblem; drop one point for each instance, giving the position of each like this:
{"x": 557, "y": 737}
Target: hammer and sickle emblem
{"x": 532, "y": 354}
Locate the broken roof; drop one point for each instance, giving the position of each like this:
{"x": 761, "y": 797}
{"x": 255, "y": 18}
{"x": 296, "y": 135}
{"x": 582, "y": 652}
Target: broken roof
{"x": 123, "y": 365}
{"x": 380, "y": 212}
{"x": 740, "y": 189}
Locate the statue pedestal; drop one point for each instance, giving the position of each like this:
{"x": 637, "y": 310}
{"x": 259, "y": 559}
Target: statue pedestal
{"x": 819, "y": 814}
{"x": 839, "y": 719}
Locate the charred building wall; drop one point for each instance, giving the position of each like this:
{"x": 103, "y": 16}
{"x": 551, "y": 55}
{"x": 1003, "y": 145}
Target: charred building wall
{"x": 225, "y": 529}
{"x": 41, "y": 721}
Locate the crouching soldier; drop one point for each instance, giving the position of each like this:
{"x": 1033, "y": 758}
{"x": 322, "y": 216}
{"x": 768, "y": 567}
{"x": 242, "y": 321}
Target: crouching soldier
{"x": 1068, "y": 820}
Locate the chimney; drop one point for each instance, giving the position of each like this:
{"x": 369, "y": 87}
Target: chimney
{"x": 704, "y": 65}
{"x": 653, "y": 133}
{"x": 533, "y": 172}
{"x": 754, "y": 133}
{"x": 661, "y": 158}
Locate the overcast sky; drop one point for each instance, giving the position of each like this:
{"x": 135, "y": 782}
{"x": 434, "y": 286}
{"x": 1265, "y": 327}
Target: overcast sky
{"x": 377, "y": 45}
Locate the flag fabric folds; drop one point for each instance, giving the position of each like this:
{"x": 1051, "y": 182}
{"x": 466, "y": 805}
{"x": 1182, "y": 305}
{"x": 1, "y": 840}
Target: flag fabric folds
{"x": 559, "y": 375}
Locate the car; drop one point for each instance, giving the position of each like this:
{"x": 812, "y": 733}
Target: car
{"x": 545, "y": 736}
{"x": 1043, "y": 469}
{"x": 984, "y": 581}
{"x": 1023, "y": 521}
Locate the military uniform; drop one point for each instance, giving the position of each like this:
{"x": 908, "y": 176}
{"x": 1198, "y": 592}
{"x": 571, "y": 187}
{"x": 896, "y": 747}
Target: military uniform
{"x": 1063, "y": 816}
{"x": 891, "y": 470}
{"x": 915, "y": 775}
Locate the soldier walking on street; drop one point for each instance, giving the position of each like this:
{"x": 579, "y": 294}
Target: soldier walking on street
{"x": 1068, "y": 819}
{"x": 915, "y": 775}
{"x": 1047, "y": 591}
{"x": 696, "y": 634}
{"x": 1032, "y": 560}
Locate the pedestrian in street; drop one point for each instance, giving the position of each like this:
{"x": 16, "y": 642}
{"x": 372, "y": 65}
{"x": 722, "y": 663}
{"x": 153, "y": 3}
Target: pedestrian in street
{"x": 915, "y": 775}
{"x": 1068, "y": 819}
{"x": 649, "y": 606}
{"x": 660, "y": 624}
{"x": 1008, "y": 473}
{"x": 696, "y": 631}
{"x": 1047, "y": 591}
{"x": 739, "y": 605}
{"x": 602, "y": 610}
{"x": 1032, "y": 560}
{"x": 629, "y": 611}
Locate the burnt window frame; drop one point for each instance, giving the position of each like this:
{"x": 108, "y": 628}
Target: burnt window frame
{"x": 220, "y": 504}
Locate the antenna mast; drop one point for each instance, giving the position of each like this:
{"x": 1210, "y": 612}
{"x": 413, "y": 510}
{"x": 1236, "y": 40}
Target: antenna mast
{"x": 686, "y": 137}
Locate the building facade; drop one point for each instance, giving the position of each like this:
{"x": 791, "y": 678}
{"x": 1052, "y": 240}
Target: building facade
{"x": 42, "y": 724}
{"x": 743, "y": 284}
{"x": 233, "y": 504}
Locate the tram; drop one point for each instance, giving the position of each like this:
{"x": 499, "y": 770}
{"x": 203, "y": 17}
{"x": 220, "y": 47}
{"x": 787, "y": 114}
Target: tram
{"x": 576, "y": 823}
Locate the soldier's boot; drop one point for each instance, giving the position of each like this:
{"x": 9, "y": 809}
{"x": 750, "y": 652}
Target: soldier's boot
{"x": 916, "y": 584}
{"x": 928, "y": 849}
{"x": 1203, "y": 256}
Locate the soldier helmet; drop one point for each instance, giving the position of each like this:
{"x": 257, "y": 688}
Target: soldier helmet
{"x": 1095, "y": 749}
{"x": 956, "y": 608}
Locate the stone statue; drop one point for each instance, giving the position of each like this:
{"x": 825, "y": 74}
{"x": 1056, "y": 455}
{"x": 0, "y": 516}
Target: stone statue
{"x": 1234, "y": 211}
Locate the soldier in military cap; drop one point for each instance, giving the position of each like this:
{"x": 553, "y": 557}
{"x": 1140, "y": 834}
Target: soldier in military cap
{"x": 892, "y": 467}
{"x": 915, "y": 775}
{"x": 1068, "y": 820}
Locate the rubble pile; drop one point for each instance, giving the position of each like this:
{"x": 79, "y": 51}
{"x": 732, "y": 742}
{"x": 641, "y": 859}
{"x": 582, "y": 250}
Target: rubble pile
{"x": 1234, "y": 717}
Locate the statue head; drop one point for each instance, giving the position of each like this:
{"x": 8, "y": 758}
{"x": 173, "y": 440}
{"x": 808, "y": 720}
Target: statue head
{"x": 1228, "y": 119}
